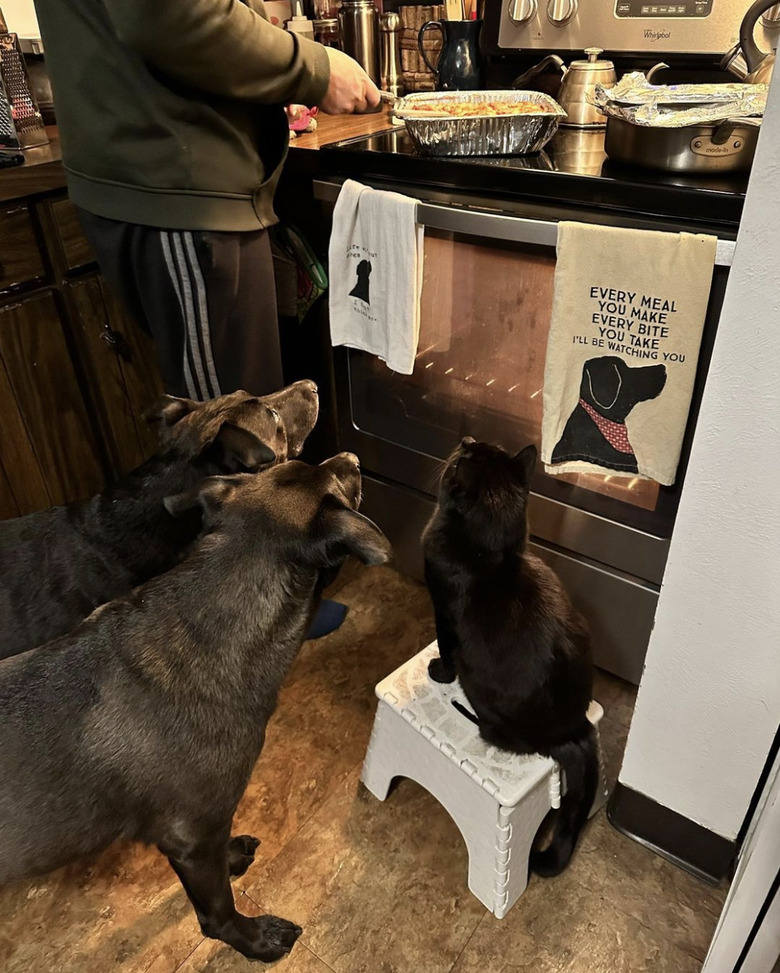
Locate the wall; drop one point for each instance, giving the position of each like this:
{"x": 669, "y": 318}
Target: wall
{"x": 21, "y": 18}
{"x": 709, "y": 701}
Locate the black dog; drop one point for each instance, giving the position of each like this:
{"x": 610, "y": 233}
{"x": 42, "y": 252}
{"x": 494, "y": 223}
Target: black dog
{"x": 58, "y": 565}
{"x": 146, "y": 721}
{"x": 596, "y": 431}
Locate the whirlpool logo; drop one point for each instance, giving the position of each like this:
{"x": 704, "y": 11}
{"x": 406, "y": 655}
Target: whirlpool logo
{"x": 657, "y": 35}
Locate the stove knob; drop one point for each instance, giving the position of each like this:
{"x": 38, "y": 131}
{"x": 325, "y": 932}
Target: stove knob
{"x": 772, "y": 17}
{"x": 560, "y": 12}
{"x": 521, "y": 11}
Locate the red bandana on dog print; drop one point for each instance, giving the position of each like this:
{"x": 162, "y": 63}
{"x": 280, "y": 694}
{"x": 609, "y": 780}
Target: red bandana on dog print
{"x": 615, "y": 433}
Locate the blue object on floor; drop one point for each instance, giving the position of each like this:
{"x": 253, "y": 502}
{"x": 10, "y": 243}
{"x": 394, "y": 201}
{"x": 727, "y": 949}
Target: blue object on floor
{"x": 329, "y": 617}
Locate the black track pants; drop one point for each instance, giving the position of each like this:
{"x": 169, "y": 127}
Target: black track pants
{"x": 207, "y": 298}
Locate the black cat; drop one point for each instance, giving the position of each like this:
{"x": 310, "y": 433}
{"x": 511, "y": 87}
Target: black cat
{"x": 507, "y": 629}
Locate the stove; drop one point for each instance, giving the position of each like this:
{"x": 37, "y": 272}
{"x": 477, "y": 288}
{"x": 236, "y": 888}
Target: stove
{"x": 491, "y": 227}
{"x": 572, "y": 168}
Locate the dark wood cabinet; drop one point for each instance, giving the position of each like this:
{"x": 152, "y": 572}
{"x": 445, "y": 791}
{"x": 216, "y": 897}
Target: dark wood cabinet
{"x": 121, "y": 370}
{"x": 48, "y": 400}
{"x": 75, "y": 373}
{"x": 21, "y": 261}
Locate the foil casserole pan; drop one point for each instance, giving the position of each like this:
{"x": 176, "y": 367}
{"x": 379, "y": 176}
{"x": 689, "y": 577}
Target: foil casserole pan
{"x": 481, "y": 134}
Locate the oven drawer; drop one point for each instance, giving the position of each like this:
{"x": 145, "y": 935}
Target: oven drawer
{"x": 619, "y": 608}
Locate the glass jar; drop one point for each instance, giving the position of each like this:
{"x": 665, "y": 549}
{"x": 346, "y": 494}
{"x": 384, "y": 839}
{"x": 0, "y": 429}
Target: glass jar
{"x": 326, "y": 9}
{"x": 326, "y": 32}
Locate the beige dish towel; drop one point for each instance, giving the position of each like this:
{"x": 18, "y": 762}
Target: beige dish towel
{"x": 376, "y": 274}
{"x": 627, "y": 319}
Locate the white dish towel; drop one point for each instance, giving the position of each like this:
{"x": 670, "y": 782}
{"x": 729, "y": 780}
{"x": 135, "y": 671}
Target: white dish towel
{"x": 376, "y": 274}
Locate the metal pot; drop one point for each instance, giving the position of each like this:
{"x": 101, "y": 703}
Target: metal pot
{"x": 717, "y": 148}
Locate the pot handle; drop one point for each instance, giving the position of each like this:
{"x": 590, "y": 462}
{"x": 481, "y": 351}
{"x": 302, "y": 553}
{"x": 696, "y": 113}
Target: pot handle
{"x": 750, "y": 50}
{"x": 429, "y": 26}
{"x": 537, "y": 69}
{"x": 725, "y": 129}
{"x": 661, "y": 66}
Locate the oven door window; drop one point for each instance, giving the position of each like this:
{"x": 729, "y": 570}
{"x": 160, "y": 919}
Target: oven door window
{"x": 486, "y": 309}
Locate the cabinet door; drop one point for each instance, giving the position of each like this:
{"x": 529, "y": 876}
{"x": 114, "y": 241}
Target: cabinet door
{"x": 47, "y": 417}
{"x": 76, "y": 249}
{"x": 8, "y": 505}
{"x": 119, "y": 361}
{"x": 22, "y": 474}
{"x": 20, "y": 257}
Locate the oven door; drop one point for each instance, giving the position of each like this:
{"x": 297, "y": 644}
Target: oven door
{"x": 485, "y": 316}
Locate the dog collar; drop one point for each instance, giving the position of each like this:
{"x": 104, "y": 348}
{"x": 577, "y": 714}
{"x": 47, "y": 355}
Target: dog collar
{"x": 615, "y": 433}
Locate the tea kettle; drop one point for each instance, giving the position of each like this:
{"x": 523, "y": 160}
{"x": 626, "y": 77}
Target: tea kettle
{"x": 578, "y": 86}
{"x": 746, "y": 61}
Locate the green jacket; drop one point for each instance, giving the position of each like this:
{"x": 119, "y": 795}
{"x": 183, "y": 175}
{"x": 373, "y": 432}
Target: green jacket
{"x": 171, "y": 111}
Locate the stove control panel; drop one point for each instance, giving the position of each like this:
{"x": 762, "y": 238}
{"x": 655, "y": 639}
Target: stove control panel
{"x": 629, "y": 26}
{"x": 641, "y": 8}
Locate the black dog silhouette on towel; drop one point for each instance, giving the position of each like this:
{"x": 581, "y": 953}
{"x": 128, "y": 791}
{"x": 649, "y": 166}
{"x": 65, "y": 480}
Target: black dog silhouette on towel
{"x": 596, "y": 430}
{"x": 360, "y": 290}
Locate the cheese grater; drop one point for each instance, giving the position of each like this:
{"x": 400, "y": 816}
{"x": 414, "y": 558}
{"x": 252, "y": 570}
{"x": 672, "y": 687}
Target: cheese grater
{"x": 27, "y": 119}
{"x": 10, "y": 154}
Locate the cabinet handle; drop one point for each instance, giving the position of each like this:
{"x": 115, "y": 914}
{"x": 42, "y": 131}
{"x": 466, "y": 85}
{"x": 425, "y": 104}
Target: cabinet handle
{"x": 117, "y": 342}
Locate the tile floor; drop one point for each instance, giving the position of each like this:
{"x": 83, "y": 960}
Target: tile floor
{"x": 378, "y": 887}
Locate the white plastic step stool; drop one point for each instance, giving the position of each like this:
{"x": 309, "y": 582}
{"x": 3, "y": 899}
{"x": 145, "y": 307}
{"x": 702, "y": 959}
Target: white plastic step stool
{"x": 497, "y": 799}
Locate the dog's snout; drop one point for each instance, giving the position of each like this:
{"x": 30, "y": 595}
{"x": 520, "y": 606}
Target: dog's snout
{"x": 467, "y": 441}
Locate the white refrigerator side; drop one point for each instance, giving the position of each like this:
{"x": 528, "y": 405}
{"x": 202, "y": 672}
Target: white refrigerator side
{"x": 754, "y": 884}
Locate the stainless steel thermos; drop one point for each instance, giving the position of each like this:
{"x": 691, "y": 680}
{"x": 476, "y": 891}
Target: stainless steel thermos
{"x": 359, "y": 28}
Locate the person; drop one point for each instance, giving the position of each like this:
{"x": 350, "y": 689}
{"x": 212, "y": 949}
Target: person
{"x": 174, "y": 132}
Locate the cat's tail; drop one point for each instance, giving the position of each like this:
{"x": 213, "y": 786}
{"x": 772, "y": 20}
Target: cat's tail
{"x": 580, "y": 763}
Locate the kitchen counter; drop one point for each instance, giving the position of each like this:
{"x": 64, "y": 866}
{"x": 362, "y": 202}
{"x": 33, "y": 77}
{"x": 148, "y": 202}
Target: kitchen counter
{"x": 41, "y": 171}
{"x": 572, "y": 170}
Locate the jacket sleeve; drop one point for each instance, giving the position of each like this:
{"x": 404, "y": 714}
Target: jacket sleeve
{"x": 223, "y": 47}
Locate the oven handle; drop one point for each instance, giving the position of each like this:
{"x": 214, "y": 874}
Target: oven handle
{"x": 494, "y": 226}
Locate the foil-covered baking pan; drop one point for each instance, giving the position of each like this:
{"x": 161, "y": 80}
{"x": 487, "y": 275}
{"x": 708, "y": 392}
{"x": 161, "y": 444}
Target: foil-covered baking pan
{"x": 481, "y": 134}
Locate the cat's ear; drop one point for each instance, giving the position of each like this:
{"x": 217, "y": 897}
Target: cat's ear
{"x": 526, "y": 460}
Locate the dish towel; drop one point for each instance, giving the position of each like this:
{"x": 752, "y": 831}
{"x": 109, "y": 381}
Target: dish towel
{"x": 376, "y": 273}
{"x": 627, "y": 319}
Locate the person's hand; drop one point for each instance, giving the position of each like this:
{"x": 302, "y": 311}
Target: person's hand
{"x": 350, "y": 89}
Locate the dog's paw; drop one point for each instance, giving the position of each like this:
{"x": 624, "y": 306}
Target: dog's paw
{"x": 241, "y": 853}
{"x": 439, "y": 672}
{"x": 272, "y": 938}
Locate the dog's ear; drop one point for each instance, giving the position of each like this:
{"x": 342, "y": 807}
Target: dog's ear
{"x": 237, "y": 450}
{"x": 210, "y": 494}
{"x": 169, "y": 410}
{"x": 603, "y": 381}
{"x": 346, "y": 531}
{"x": 526, "y": 460}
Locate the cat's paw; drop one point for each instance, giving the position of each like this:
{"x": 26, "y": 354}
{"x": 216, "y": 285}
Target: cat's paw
{"x": 439, "y": 672}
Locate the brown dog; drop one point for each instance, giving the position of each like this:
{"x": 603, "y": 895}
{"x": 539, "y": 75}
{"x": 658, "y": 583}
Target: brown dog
{"x": 57, "y": 565}
{"x": 147, "y": 720}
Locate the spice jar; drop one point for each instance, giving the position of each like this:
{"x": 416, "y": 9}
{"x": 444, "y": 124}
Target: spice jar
{"x": 326, "y": 32}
